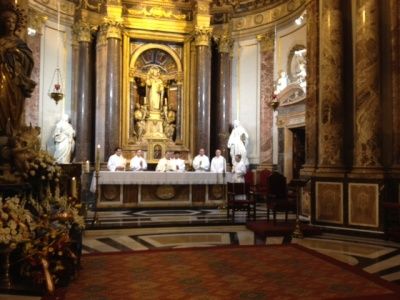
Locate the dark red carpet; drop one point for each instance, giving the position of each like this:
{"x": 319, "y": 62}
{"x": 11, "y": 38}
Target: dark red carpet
{"x": 246, "y": 272}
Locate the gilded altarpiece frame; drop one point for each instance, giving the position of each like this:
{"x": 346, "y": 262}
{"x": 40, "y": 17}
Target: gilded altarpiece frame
{"x": 364, "y": 204}
{"x": 178, "y": 48}
{"x": 329, "y": 202}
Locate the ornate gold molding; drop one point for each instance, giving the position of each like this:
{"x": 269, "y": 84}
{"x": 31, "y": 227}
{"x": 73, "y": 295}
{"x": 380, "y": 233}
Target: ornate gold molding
{"x": 202, "y": 35}
{"x": 36, "y": 20}
{"x": 114, "y": 28}
{"x": 267, "y": 41}
{"x": 156, "y": 12}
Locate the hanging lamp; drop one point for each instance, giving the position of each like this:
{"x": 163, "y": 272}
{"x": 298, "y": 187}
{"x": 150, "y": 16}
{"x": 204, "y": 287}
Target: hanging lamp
{"x": 56, "y": 91}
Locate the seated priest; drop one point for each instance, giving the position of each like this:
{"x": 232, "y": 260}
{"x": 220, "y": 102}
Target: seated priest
{"x": 238, "y": 169}
{"x": 116, "y": 162}
{"x": 201, "y": 162}
{"x": 218, "y": 163}
{"x": 178, "y": 162}
{"x": 138, "y": 163}
{"x": 165, "y": 164}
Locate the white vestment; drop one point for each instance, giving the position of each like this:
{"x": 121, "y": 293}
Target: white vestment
{"x": 238, "y": 171}
{"x": 201, "y": 163}
{"x": 138, "y": 163}
{"x": 179, "y": 164}
{"x": 238, "y": 141}
{"x": 116, "y": 161}
{"x": 165, "y": 165}
{"x": 218, "y": 164}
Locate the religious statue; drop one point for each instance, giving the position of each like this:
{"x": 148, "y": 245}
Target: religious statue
{"x": 281, "y": 83}
{"x": 155, "y": 89}
{"x": 238, "y": 141}
{"x": 169, "y": 122}
{"x": 140, "y": 123}
{"x": 64, "y": 139}
{"x": 16, "y": 63}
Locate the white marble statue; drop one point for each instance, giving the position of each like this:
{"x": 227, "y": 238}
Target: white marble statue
{"x": 281, "y": 83}
{"x": 238, "y": 141}
{"x": 64, "y": 141}
{"x": 156, "y": 89}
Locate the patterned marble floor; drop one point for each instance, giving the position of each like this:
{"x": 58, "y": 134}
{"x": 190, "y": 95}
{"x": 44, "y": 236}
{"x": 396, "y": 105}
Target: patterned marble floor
{"x": 138, "y": 230}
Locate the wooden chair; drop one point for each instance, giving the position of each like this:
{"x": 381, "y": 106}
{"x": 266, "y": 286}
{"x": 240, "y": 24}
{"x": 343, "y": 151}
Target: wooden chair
{"x": 277, "y": 199}
{"x": 239, "y": 199}
{"x": 259, "y": 188}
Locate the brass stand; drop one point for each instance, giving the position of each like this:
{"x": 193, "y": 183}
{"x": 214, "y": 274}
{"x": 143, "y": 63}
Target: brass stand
{"x": 95, "y": 216}
{"x": 297, "y": 233}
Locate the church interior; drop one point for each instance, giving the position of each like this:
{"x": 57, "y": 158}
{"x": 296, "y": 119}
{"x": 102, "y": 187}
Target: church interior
{"x": 312, "y": 84}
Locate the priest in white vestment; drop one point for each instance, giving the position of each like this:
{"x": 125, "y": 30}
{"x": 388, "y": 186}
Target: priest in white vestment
{"x": 165, "y": 164}
{"x": 138, "y": 163}
{"x": 238, "y": 169}
{"x": 116, "y": 162}
{"x": 201, "y": 163}
{"x": 218, "y": 163}
{"x": 178, "y": 162}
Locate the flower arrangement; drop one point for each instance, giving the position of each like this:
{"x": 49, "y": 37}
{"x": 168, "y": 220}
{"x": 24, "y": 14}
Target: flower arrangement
{"x": 16, "y": 223}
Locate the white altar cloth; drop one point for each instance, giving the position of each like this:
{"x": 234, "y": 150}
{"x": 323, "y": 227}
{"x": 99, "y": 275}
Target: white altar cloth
{"x": 150, "y": 177}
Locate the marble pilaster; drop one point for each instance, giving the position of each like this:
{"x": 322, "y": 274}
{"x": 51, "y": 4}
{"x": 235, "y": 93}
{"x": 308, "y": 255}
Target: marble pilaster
{"x": 312, "y": 10}
{"x": 267, "y": 46}
{"x": 113, "y": 87}
{"x": 222, "y": 103}
{"x": 330, "y": 156}
{"x": 203, "y": 95}
{"x": 84, "y": 117}
{"x": 367, "y": 102}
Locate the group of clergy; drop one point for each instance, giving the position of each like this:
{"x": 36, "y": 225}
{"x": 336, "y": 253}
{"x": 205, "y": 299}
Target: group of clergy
{"x": 172, "y": 162}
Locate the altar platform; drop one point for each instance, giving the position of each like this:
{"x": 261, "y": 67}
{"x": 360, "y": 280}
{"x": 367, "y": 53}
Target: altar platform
{"x": 160, "y": 189}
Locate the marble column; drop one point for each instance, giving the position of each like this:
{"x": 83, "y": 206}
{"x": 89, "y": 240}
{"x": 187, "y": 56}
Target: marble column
{"x": 178, "y": 133}
{"x": 203, "y": 96}
{"x": 330, "y": 156}
{"x": 113, "y": 88}
{"x": 311, "y": 125}
{"x": 267, "y": 48}
{"x": 101, "y": 71}
{"x": 84, "y": 133}
{"x": 367, "y": 102}
{"x": 223, "y": 103}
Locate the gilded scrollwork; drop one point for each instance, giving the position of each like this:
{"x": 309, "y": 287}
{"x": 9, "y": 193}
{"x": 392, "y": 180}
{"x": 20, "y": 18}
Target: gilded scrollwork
{"x": 83, "y": 31}
{"x": 157, "y": 12}
{"x": 266, "y": 41}
{"x": 224, "y": 42}
{"x": 114, "y": 27}
{"x": 36, "y": 20}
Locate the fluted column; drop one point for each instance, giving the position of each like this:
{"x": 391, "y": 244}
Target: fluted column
{"x": 101, "y": 75}
{"x": 203, "y": 68}
{"x": 367, "y": 102}
{"x": 84, "y": 116}
{"x": 222, "y": 103}
{"x": 331, "y": 112}
{"x": 113, "y": 86}
{"x": 311, "y": 125}
{"x": 267, "y": 48}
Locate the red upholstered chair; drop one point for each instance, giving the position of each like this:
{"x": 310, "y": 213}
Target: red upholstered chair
{"x": 277, "y": 199}
{"x": 239, "y": 199}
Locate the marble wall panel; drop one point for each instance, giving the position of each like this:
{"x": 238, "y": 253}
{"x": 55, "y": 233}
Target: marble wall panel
{"x": 363, "y": 204}
{"x": 329, "y": 202}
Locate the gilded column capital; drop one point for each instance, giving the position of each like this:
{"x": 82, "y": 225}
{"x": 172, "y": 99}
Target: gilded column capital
{"x": 36, "y": 20}
{"x": 224, "y": 42}
{"x": 267, "y": 41}
{"x": 113, "y": 28}
{"x": 102, "y": 35}
{"x": 202, "y": 36}
{"x": 82, "y": 31}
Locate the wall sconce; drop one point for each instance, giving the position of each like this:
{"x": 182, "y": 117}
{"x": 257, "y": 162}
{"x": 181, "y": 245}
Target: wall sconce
{"x": 274, "y": 103}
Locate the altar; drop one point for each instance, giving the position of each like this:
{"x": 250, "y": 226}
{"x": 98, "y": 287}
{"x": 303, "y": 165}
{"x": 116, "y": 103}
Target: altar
{"x": 160, "y": 189}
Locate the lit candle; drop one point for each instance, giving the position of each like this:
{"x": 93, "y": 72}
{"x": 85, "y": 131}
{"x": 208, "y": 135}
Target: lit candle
{"x": 144, "y": 100}
{"x": 74, "y": 192}
{"x": 98, "y": 158}
{"x": 87, "y": 167}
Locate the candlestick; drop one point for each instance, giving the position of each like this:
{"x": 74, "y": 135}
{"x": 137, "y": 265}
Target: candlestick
{"x": 86, "y": 167}
{"x": 98, "y": 158}
{"x": 74, "y": 192}
{"x": 144, "y": 100}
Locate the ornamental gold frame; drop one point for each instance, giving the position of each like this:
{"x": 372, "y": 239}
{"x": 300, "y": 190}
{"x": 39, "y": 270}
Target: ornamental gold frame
{"x": 152, "y": 37}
